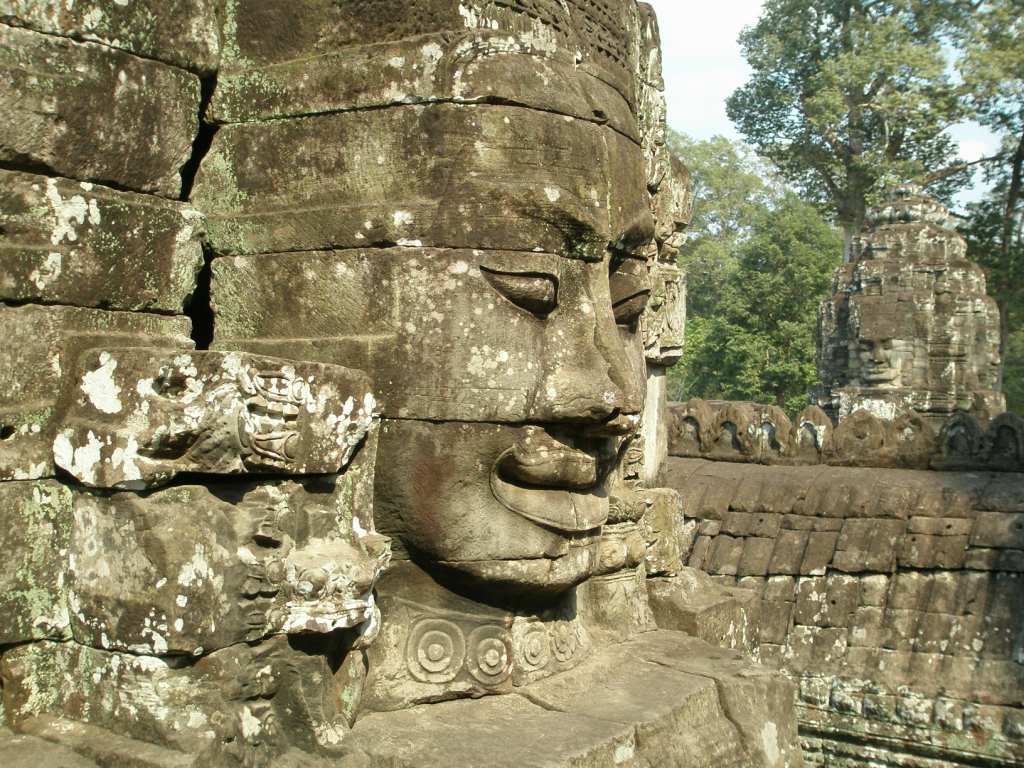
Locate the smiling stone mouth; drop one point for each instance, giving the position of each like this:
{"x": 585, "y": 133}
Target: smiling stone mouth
{"x": 553, "y": 483}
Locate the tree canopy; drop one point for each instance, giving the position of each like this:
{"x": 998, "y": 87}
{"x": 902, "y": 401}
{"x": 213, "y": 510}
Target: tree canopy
{"x": 731, "y": 186}
{"x": 848, "y": 97}
{"x": 752, "y": 315}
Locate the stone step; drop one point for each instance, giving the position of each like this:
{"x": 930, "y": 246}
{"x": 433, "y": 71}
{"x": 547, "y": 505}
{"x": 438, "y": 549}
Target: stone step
{"x": 690, "y": 602}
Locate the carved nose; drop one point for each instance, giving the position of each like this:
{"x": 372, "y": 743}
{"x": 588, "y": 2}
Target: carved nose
{"x": 573, "y": 393}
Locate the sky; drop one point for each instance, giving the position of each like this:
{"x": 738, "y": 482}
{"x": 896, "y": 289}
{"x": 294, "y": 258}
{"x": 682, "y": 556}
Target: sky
{"x": 703, "y": 65}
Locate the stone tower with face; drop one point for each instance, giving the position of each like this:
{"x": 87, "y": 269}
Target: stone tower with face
{"x": 468, "y": 200}
{"x": 909, "y": 325}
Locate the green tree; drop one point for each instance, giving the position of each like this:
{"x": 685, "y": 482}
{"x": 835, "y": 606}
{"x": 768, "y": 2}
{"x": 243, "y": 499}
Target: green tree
{"x": 731, "y": 186}
{"x": 848, "y": 97}
{"x": 759, "y": 343}
{"x": 1013, "y": 372}
{"x": 1000, "y": 250}
{"x": 992, "y": 68}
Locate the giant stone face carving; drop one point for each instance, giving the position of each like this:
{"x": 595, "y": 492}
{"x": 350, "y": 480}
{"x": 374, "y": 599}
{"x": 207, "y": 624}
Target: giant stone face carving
{"x": 500, "y": 312}
{"x": 910, "y": 326}
{"x": 464, "y": 207}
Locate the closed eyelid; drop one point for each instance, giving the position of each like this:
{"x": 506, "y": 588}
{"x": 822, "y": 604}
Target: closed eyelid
{"x": 536, "y": 293}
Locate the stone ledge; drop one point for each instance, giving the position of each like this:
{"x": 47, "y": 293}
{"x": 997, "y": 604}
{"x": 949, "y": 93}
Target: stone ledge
{"x": 662, "y": 697}
{"x": 752, "y": 433}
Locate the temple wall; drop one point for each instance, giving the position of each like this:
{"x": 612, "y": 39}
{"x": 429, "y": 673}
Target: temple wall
{"x": 299, "y": 464}
{"x": 894, "y": 598}
{"x": 172, "y": 517}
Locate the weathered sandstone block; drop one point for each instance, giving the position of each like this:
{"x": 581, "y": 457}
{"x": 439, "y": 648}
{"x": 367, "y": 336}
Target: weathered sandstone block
{"x": 571, "y": 60}
{"x": 94, "y": 113}
{"x": 35, "y": 529}
{"x": 243, "y": 705}
{"x": 135, "y": 418}
{"x": 179, "y": 32}
{"x": 82, "y": 244}
{"x": 196, "y": 573}
{"x": 442, "y": 175}
{"x": 48, "y": 342}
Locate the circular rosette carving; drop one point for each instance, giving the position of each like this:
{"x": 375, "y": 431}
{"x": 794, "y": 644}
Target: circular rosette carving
{"x": 490, "y": 659}
{"x": 436, "y": 651}
{"x": 536, "y": 648}
{"x": 564, "y": 641}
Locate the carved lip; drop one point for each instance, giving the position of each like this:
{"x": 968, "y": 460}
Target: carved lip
{"x": 879, "y": 374}
{"x": 573, "y": 497}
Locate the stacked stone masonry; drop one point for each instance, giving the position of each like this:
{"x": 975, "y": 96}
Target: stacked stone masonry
{"x": 333, "y": 394}
{"x": 892, "y": 597}
{"x": 909, "y": 324}
{"x": 763, "y": 434}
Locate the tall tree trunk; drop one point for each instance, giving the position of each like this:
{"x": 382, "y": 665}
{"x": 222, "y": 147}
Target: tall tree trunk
{"x": 849, "y": 235}
{"x": 1004, "y": 338}
{"x": 852, "y": 212}
{"x": 1013, "y": 196}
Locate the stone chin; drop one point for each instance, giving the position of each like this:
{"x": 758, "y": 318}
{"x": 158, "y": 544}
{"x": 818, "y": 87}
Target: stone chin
{"x": 505, "y": 508}
{"x": 542, "y": 576}
{"x": 881, "y": 378}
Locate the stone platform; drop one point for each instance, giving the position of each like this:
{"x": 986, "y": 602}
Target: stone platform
{"x": 663, "y": 699}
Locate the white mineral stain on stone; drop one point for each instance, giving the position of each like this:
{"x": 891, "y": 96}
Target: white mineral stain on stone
{"x": 469, "y": 16}
{"x": 402, "y": 217}
{"x": 195, "y": 570}
{"x": 125, "y": 458}
{"x": 431, "y": 53}
{"x": 99, "y": 386}
{"x": 68, "y": 214}
{"x": 770, "y": 743}
{"x": 47, "y": 272}
{"x": 80, "y": 462}
{"x": 553, "y": 194}
{"x": 624, "y": 752}
{"x": 251, "y": 725}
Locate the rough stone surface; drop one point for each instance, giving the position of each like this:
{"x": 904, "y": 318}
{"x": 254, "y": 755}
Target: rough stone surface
{"x": 909, "y": 326}
{"x": 68, "y": 242}
{"x": 722, "y": 616}
{"x": 661, "y": 699}
{"x": 32, "y": 371}
{"x": 136, "y": 418}
{"x": 891, "y": 597}
{"x": 441, "y": 175}
{"x": 214, "y": 574}
{"x": 567, "y": 59}
{"x": 23, "y": 751}
{"x": 33, "y": 584}
{"x": 139, "y": 139}
{"x": 179, "y": 32}
{"x": 237, "y": 704}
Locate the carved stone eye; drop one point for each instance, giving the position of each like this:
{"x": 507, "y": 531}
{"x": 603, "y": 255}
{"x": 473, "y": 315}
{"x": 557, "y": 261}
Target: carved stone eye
{"x": 630, "y": 288}
{"x": 536, "y": 293}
